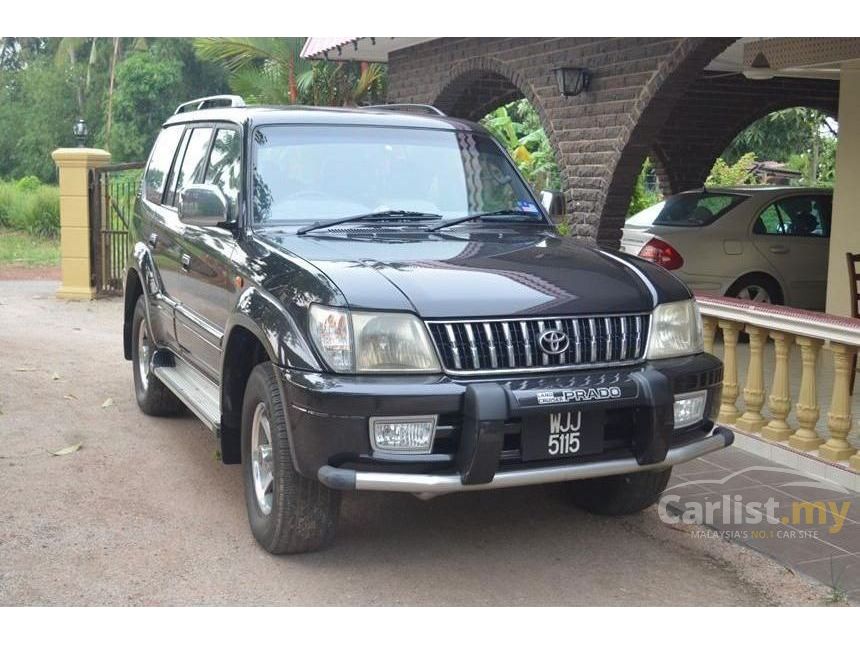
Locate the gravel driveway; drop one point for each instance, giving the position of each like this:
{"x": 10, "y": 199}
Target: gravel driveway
{"x": 143, "y": 514}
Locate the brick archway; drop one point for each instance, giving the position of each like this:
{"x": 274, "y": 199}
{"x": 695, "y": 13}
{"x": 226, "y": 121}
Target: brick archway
{"x": 715, "y": 109}
{"x": 600, "y": 137}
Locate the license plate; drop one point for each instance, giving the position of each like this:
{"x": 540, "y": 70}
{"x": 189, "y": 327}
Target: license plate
{"x": 556, "y": 435}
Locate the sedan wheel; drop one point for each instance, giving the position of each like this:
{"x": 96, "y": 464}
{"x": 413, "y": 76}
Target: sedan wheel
{"x": 755, "y": 293}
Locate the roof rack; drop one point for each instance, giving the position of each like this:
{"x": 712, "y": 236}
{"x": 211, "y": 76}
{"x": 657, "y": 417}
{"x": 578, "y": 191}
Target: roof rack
{"x": 206, "y": 102}
{"x": 406, "y": 107}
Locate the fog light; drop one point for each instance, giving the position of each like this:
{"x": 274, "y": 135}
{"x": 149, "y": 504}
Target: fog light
{"x": 403, "y": 435}
{"x": 689, "y": 408}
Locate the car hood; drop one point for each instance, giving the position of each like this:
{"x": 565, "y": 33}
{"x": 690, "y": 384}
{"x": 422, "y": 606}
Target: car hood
{"x": 472, "y": 274}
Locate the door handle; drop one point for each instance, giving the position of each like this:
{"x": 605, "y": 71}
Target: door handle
{"x": 779, "y": 249}
{"x": 186, "y": 261}
{"x": 152, "y": 242}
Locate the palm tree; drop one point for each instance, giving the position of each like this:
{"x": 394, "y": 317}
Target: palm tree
{"x": 270, "y": 70}
{"x": 264, "y": 70}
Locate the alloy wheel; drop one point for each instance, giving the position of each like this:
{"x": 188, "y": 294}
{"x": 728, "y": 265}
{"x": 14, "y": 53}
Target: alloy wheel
{"x": 261, "y": 458}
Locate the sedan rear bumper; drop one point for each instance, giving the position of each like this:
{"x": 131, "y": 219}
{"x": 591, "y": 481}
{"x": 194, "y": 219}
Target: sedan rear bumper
{"x": 427, "y": 486}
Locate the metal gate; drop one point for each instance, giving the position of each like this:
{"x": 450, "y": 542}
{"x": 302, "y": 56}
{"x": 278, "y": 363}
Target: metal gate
{"x": 113, "y": 190}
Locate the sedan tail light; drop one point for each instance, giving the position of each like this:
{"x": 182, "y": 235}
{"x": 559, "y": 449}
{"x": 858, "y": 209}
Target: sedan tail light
{"x": 662, "y": 253}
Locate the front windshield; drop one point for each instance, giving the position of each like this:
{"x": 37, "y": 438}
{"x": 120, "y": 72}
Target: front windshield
{"x": 309, "y": 173}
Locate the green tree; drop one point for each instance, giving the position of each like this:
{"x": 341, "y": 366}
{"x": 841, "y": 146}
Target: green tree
{"x": 37, "y": 109}
{"x": 270, "y": 70}
{"x": 643, "y": 196}
{"x": 799, "y": 136}
{"x": 736, "y": 174}
{"x": 517, "y": 126}
{"x": 148, "y": 89}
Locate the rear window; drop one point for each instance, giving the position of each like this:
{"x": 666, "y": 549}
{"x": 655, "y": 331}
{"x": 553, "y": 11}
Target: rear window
{"x": 687, "y": 209}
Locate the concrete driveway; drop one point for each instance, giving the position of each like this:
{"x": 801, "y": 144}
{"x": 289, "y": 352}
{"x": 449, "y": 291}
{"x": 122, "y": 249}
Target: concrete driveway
{"x": 143, "y": 514}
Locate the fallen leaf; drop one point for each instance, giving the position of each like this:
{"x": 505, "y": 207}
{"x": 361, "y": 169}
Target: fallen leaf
{"x": 70, "y": 397}
{"x": 66, "y": 451}
{"x": 55, "y": 376}
{"x": 25, "y": 369}
{"x": 107, "y": 403}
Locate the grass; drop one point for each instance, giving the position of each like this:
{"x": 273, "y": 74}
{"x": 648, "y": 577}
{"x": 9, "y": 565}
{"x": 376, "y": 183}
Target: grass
{"x": 20, "y": 248}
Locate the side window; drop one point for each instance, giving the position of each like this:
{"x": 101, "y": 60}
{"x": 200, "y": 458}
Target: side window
{"x": 769, "y": 222}
{"x": 191, "y": 170}
{"x": 160, "y": 160}
{"x": 170, "y": 193}
{"x": 804, "y": 216}
{"x": 224, "y": 166}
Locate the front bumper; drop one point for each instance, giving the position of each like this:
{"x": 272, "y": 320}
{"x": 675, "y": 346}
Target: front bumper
{"x": 482, "y": 423}
{"x": 433, "y": 485}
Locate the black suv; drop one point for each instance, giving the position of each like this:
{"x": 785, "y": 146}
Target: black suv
{"x": 375, "y": 299}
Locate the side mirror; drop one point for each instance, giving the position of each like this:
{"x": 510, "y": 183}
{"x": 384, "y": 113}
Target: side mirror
{"x": 553, "y": 202}
{"x": 202, "y": 205}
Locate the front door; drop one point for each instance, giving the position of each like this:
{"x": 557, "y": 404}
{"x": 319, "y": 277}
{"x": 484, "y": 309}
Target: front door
{"x": 208, "y": 293}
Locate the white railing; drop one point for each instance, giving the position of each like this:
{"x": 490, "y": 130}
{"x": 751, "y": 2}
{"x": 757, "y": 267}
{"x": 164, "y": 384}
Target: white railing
{"x": 787, "y": 328}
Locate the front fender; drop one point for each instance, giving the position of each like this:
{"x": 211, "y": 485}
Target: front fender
{"x": 276, "y": 329}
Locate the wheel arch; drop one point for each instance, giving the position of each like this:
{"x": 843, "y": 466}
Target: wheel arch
{"x": 259, "y": 329}
{"x": 244, "y": 349}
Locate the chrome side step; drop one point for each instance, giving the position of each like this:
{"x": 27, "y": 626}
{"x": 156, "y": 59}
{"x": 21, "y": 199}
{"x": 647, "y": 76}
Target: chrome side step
{"x": 196, "y": 391}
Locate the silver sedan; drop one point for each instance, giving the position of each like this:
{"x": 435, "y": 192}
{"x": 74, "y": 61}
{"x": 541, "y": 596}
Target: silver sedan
{"x": 767, "y": 244}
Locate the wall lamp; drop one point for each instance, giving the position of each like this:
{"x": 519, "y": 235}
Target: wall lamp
{"x": 572, "y": 80}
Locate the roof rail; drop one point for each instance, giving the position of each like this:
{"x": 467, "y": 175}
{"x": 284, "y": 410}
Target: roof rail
{"x": 206, "y": 102}
{"x": 406, "y": 107}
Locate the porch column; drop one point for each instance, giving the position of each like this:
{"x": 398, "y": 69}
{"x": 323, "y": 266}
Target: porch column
{"x": 845, "y": 226}
{"x": 75, "y": 236}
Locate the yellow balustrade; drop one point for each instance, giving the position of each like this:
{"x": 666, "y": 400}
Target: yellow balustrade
{"x": 728, "y": 409}
{"x": 837, "y": 448}
{"x": 787, "y": 328}
{"x": 807, "y": 411}
{"x": 752, "y": 420}
{"x": 709, "y": 332}
{"x": 779, "y": 400}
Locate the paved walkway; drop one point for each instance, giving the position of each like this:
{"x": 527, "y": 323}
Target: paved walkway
{"x": 821, "y": 541}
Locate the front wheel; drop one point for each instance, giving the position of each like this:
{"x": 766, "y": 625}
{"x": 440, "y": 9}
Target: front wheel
{"x": 288, "y": 513}
{"x": 620, "y": 494}
{"x": 152, "y": 395}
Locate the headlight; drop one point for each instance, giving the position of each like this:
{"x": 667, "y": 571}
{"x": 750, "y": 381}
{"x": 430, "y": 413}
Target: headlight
{"x": 676, "y": 330}
{"x": 363, "y": 341}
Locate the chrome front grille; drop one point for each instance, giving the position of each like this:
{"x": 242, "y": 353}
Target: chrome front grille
{"x": 486, "y": 346}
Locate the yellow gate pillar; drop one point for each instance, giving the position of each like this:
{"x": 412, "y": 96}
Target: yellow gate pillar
{"x": 75, "y": 249}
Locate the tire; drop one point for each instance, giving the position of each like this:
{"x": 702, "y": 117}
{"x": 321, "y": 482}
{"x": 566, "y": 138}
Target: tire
{"x": 291, "y": 514}
{"x": 757, "y": 287}
{"x": 620, "y": 494}
{"x": 153, "y": 397}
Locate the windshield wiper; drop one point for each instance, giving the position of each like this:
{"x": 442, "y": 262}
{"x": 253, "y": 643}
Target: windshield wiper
{"x": 469, "y": 218}
{"x": 382, "y": 216}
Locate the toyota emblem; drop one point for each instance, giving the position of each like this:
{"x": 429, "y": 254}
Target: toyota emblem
{"x": 554, "y": 341}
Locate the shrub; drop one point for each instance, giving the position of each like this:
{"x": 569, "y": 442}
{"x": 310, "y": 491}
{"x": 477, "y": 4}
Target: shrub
{"x": 43, "y": 212}
{"x": 28, "y": 184}
{"x": 31, "y": 208}
{"x": 8, "y": 197}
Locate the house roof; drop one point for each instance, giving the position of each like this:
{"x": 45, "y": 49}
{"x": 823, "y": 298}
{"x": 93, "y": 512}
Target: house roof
{"x": 372, "y": 49}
